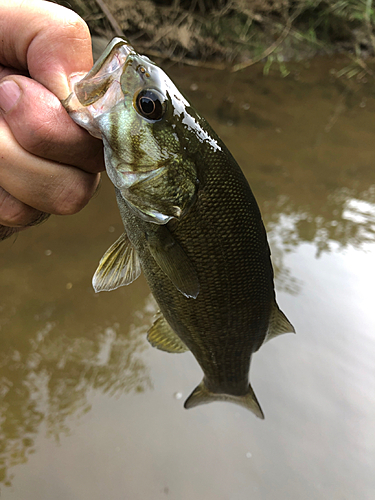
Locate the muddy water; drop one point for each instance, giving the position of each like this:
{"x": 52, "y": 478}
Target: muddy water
{"x": 89, "y": 410}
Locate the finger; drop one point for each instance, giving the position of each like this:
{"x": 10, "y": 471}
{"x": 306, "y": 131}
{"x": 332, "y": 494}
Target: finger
{"x": 9, "y": 71}
{"x": 50, "y": 132}
{"x": 49, "y": 41}
{"x": 14, "y": 213}
{"x": 42, "y": 184}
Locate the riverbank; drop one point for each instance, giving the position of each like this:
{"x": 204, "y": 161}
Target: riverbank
{"x": 234, "y": 34}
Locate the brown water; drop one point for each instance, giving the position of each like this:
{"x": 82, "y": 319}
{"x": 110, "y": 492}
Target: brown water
{"x": 90, "y": 411}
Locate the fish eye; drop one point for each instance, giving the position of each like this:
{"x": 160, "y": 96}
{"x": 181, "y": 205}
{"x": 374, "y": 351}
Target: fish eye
{"x": 150, "y": 104}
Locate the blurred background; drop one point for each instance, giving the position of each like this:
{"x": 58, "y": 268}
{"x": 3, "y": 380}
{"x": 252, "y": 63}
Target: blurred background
{"x": 223, "y": 33}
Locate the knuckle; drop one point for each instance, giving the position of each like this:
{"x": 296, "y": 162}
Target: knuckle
{"x": 40, "y": 140}
{"x": 75, "y": 26}
{"x": 39, "y": 137}
{"x": 12, "y": 218}
{"x": 75, "y": 196}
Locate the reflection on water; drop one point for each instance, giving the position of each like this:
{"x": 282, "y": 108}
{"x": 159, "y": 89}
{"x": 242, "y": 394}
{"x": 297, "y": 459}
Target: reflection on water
{"x": 48, "y": 372}
{"x": 347, "y": 218}
{"x": 306, "y": 144}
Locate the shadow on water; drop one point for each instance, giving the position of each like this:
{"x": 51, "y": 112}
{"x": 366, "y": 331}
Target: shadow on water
{"x": 306, "y": 145}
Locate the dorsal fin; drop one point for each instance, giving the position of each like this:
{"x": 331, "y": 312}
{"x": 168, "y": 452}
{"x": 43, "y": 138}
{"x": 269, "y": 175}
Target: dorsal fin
{"x": 119, "y": 266}
{"x": 163, "y": 337}
{"x": 278, "y": 324}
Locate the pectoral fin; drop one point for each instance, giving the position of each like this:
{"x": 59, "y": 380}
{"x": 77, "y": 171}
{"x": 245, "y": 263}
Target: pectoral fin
{"x": 163, "y": 337}
{"x": 279, "y": 324}
{"x": 163, "y": 193}
{"x": 172, "y": 259}
{"x": 119, "y": 266}
{"x": 201, "y": 395}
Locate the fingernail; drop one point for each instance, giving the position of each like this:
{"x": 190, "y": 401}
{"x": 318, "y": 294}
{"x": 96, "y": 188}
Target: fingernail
{"x": 10, "y": 92}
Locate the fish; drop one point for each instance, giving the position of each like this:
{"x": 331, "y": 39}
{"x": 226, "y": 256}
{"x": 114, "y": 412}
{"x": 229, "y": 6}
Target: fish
{"x": 191, "y": 223}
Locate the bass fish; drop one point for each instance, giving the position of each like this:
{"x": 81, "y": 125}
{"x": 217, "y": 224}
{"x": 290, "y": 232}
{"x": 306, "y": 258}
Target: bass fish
{"x": 192, "y": 224}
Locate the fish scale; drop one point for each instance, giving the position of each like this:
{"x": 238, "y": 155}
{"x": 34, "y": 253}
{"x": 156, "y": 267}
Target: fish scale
{"x": 191, "y": 222}
{"x": 234, "y": 301}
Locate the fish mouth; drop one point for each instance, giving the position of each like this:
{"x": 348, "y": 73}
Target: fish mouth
{"x": 99, "y": 90}
{"x": 107, "y": 69}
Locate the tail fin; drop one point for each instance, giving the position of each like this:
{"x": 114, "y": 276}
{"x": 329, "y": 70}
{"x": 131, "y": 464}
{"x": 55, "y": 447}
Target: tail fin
{"x": 201, "y": 395}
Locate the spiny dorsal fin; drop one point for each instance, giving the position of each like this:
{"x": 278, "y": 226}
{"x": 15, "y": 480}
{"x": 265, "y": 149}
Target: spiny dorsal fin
{"x": 201, "y": 395}
{"x": 119, "y": 266}
{"x": 163, "y": 337}
{"x": 172, "y": 259}
{"x": 279, "y": 324}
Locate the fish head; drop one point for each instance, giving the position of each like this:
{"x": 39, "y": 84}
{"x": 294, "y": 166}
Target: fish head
{"x": 152, "y": 136}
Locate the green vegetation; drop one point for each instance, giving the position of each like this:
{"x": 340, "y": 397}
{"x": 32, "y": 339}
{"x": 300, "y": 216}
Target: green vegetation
{"x": 236, "y": 33}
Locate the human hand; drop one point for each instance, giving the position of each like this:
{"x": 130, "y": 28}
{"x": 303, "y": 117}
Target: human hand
{"x": 47, "y": 163}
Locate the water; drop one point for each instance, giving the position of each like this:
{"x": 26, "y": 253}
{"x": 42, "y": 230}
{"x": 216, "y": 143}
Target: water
{"x": 89, "y": 410}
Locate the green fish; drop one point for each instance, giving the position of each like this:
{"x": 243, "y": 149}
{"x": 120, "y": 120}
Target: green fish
{"x": 192, "y": 224}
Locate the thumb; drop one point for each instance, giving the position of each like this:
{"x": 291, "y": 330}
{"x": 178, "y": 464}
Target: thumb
{"x": 47, "y": 40}
{"x": 9, "y": 95}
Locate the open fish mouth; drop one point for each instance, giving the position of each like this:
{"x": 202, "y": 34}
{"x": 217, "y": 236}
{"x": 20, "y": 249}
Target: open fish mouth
{"x": 106, "y": 70}
{"x": 100, "y": 88}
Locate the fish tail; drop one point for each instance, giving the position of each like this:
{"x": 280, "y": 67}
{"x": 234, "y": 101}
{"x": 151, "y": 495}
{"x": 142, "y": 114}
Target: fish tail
{"x": 201, "y": 395}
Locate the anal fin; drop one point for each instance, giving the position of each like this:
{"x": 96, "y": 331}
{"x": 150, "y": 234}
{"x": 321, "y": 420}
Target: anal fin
{"x": 163, "y": 337}
{"x": 119, "y": 266}
{"x": 278, "y": 324}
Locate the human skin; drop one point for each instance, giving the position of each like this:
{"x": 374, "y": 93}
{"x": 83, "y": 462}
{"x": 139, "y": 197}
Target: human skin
{"x": 48, "y": 164}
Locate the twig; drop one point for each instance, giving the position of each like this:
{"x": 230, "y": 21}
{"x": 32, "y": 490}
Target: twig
{"x": 169, "y": 29}
{"x": 339, "y": 108}
{"x": 361, "y": 63}
{"x": 265, "y": 53}
{"x": 190, "y": 62}
{"x": 115, "y": 25}
{"x": 273, "y": 46}
{"x": 368, "y": 23}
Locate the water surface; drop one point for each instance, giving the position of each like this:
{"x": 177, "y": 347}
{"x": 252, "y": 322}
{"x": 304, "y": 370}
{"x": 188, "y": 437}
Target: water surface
{"x": 89, "y": 410}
